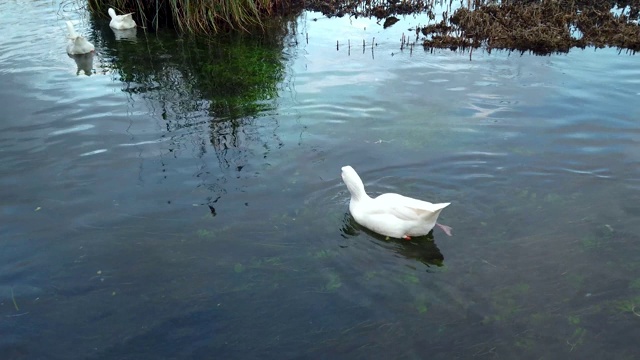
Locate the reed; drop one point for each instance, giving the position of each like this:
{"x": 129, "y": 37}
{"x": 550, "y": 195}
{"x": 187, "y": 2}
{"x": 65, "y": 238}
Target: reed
{"x": 194, "y": 16}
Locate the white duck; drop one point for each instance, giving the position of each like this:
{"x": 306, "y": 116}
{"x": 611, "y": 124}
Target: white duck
{"x": 391, "y": 214}
{"x": 78, "y": 44}
{"x": 121, "y": 22}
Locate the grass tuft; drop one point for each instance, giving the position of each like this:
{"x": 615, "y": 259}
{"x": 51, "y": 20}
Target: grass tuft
{"x": 193, "y": 16}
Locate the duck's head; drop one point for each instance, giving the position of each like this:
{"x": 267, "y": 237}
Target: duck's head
{"x": 348, "y": 172}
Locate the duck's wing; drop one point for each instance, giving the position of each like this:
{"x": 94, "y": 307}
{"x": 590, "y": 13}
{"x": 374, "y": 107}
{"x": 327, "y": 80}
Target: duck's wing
{"x": 407, "y": 208}
{"x": 398, "y": 206}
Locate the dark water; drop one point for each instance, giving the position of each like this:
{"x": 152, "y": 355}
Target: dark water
{"x": 184, "y": 200}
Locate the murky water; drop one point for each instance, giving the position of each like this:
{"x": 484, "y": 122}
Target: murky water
{"x": 184, "y": 200}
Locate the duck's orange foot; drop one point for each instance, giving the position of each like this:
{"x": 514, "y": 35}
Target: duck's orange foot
{"x": 407, "y": 237}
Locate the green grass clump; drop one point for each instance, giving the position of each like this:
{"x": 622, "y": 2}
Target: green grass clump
{"x": 189, "y": 16}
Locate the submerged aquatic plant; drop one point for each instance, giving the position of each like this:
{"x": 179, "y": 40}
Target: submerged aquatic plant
{"x": 333, "y": 283}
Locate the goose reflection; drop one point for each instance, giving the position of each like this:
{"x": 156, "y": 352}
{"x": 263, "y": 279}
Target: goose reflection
{"x": 126, "y": 34}
{"x": 421, "y": 248}
{"x": 84, "y": 63}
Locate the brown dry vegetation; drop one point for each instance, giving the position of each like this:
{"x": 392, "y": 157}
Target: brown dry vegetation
{"x": 539, "y": 26}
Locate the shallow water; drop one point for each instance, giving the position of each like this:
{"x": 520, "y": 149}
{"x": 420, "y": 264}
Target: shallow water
{"x": 184, "y": 200}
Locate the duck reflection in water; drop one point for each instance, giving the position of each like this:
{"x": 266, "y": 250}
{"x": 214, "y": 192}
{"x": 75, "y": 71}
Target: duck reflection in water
{"x": 126, "y": 35}
{"x": 421, "y": 248}
{"x": 84, "y": 63}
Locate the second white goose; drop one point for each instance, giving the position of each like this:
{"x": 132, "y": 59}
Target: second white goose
{"x": 121, "y": 22}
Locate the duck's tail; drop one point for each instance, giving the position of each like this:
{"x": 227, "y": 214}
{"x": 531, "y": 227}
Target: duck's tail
{"x": 72, "y": 30}
{"x": 432, "y": 211}
{"x": 440, "y": 206}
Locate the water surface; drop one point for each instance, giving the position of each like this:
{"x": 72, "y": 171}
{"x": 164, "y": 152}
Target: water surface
{"x": 179, "y": 198}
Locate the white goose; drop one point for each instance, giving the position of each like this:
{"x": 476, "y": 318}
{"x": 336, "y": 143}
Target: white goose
{"x": 78, "y": 44}
{"x": 121, "y": 22}
{"x": 391, "y": 214}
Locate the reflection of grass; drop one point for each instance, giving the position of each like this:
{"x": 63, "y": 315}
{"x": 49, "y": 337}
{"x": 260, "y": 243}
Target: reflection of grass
{"x": 247, "y": 73}
{"x": 235, "y": 75}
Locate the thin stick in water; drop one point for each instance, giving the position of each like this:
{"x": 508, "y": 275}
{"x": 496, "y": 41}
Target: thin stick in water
{"x": 15, "y": 304}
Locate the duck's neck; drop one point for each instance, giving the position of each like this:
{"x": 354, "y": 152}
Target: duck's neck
{"x": 356, "y": 188}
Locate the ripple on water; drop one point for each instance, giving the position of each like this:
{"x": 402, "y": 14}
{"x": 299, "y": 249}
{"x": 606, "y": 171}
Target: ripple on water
{"x": 76, "y": 128}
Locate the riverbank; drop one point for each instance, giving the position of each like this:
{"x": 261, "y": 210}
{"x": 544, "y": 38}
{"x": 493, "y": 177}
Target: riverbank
{"x": 541, "y": 27}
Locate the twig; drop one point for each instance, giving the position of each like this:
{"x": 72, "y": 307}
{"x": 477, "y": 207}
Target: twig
{"x": 15, "y": 304}
{"x": 16, "y": 315}
{"x": 488, "y": 263}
